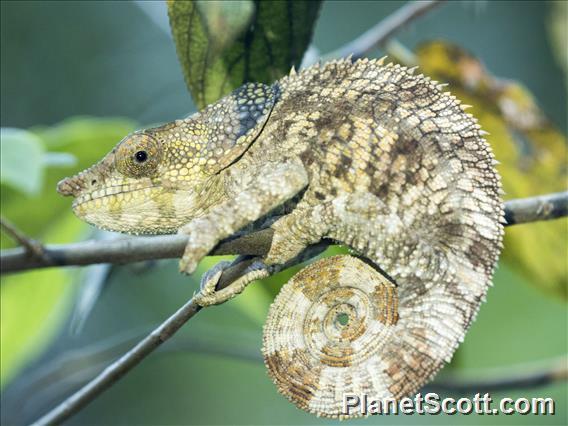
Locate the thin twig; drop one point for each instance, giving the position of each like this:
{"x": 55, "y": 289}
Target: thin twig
{"x": 52, "y": 380}
{"x": 123, "y": 250}
{"x": 515, "y": 378}
{"x": 32, "y": 247}
{"x": 59, "y": 376}
{"x": 135, "y": 249}
{"x": 376, "y": 36}
{"x": 544, "y": 207}
{"x": 398, "y": 52}
{"x": 120, "y": 367}
{"x": 558, "y": 371}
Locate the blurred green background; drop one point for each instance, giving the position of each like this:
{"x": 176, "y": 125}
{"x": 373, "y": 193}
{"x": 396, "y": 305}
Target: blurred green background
{"x": 79, "y": 76}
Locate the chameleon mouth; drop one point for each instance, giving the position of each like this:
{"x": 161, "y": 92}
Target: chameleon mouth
{"x": 108, "y": 191}
{"x": 144, "y": 209}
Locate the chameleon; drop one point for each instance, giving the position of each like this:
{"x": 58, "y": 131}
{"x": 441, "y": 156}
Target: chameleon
{"x": 364, "y": 154}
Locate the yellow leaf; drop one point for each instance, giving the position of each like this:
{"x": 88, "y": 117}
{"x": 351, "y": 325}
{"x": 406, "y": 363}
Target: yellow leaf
{"x": 532, "y": 152}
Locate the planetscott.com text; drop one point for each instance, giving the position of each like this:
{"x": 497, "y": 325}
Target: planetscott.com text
{"x": 432, "y": 403}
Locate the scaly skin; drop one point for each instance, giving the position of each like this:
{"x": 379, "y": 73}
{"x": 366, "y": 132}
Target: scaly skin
{"x": 367, "y": 155}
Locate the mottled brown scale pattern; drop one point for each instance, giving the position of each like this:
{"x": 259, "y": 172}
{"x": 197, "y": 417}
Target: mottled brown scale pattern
{"x": 386, "y": 296}
{"x": 366, "y": 154}
{"x": 334, "y": 356}
{"x": 280, "y": 364}
{"x": 319, "y": 335}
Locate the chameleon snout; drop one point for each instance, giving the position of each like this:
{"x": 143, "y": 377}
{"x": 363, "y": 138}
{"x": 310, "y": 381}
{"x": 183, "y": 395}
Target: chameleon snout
{"x": 71, "y": 186}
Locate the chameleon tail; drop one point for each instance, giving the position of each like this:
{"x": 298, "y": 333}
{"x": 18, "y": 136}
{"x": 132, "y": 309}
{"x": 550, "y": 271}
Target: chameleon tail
{"x": 340, "y": 327}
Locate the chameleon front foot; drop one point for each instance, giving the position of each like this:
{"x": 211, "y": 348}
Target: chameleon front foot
{"x": 254, "y": 269}
{"x": 202, "y": 239}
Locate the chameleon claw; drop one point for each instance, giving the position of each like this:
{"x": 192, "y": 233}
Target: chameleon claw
{"x": 209, "y": 295}
{"x": 191, "y": 258}
{"x": 208, "y": 283}
{"x": 187, "y": 265}
{"x": 200, "y": 243}
{"x": 212, "y": 276}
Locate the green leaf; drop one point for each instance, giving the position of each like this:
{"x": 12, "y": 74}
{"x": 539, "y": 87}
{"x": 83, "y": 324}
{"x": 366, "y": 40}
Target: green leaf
{"x": 222, "y": 45}
{"x": 34, "y": 305}
{"x": 85, "y": 139}
{"x": 21, "y": 160}
{"x": 59, "y": 159}
{"x": 224, "y": 21}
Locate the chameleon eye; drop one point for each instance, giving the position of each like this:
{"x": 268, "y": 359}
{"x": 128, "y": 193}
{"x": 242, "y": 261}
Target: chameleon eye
{"x": 138, "y": 155}
{"x": 141, "y": 156}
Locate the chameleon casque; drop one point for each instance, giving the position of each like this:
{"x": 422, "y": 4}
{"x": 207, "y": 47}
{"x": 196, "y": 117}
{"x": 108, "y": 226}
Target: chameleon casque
{"x": 366, "y": 155}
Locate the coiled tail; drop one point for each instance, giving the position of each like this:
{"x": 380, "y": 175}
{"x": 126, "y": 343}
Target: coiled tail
{"x": 326, "y": 331}
{"x": 340, "y": 327}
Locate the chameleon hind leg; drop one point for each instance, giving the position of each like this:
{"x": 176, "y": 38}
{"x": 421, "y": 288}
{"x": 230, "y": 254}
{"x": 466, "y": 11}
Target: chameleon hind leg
{"x": 229, "y": 278}
{"x": 286, "y": 241}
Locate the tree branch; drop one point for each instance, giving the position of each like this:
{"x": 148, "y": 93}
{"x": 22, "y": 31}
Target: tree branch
{"x": 134, "y": 249}
{"x": 31, "y": 246}
{"x": 534, "y": 209}
{"x": 381, "y": 32}
{"x": 55, "y": 378}
{"x": 59, "y": 376}
{"x": 121, "y": 250}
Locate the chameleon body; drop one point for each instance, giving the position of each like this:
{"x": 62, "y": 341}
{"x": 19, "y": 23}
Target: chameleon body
{"x": 365, "y": 154}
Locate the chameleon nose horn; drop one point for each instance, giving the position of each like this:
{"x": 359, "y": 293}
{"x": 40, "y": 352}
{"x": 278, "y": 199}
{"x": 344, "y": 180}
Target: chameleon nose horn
{"x": 70, "y": 186}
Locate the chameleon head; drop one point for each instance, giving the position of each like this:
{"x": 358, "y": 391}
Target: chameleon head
{"x": 156, "y": 180}
{"x": 129, "y": 190}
